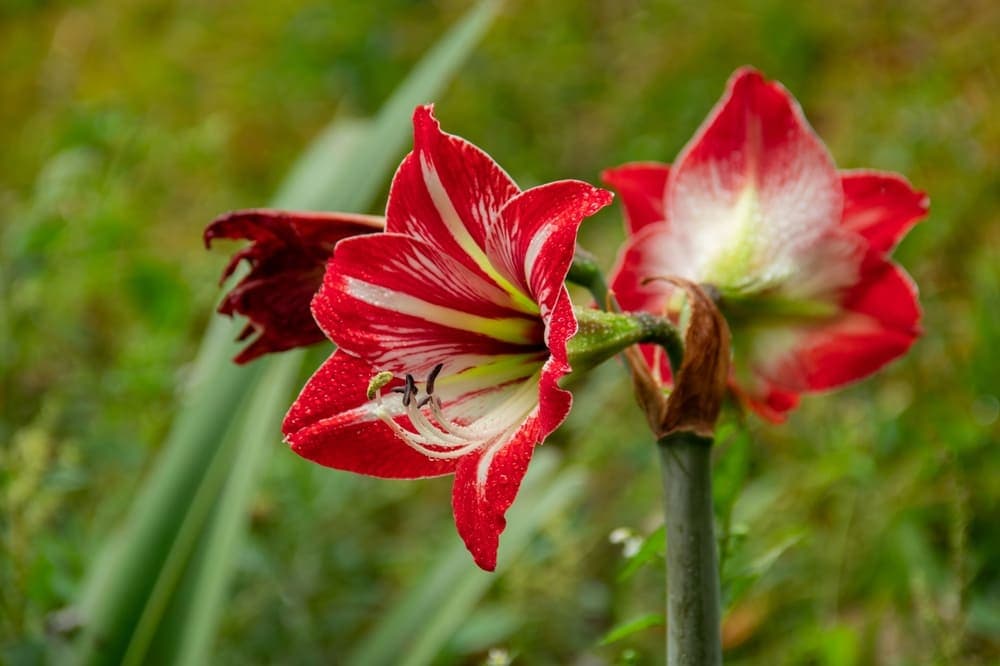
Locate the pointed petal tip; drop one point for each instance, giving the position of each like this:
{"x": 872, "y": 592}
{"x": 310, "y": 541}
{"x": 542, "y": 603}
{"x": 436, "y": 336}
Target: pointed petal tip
{"x": 424, "y": 121}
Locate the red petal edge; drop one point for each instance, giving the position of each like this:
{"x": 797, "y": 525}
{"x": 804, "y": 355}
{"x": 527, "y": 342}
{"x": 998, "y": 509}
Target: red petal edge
{"x": 881, "y": 207}
{"x": 328, "y": 425}
{"x": 642, "y": 186}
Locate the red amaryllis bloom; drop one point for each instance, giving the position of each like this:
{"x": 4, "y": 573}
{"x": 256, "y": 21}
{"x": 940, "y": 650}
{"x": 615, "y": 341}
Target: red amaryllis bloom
{"x": 287, "y": 254}
{"x": 796, "y": 250}
{"x": 451, "y": 330}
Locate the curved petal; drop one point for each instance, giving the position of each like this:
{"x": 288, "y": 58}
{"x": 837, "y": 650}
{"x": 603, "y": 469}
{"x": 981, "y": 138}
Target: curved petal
{"x": 487, "y": 481}
{"x": 278, "y": 308}
{"x": 286, "y": 255}
{"x": 766, "y": 400}
{"x": 881, "y": 207}
{"x": 642, "y": 186}
{"x": 331, "y": 423}
{"x": 405, "y": 307}
{"x": 312, "y": 233}
{"x": 878, "y": 323}
{"x": 753, "y": 187}
{"x": 656, "y": 251}
{"x": 449, "y": 194}
{"x": 486, "y": 484}
{"x": 534, "y": 243}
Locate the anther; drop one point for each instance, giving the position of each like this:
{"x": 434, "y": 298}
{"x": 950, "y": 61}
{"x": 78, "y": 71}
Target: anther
{"x": 424, "y": 401}
{"x": 431, "y": 377}
{"x": 410, "y": 390}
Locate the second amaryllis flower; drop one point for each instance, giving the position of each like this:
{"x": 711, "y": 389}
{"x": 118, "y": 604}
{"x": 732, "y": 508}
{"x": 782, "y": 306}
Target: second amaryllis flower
{"x": 796, "y": 251}
{"x": 451, "y": 330}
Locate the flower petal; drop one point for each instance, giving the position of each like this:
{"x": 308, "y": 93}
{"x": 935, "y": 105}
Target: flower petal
{"x": 278, "y": 307}
{"x": 753, "y": 187}
{"x": 533, "y": 243}
{"x": 487, "y": 481}
{"x": 405, "y": 307}
{"x": 286, "y": 256}
{"x": 879, "y": 322}
{"x": 767, "y": 401}
{"x": 642, "y": 186}
{"x": 331, "y": 423}
{"x": 881, "y": 207}
{"x": 449, "y": 193}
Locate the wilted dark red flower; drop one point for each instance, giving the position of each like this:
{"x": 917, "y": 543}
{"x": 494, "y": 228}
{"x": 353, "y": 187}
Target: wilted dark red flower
{"x": 451, "y": 330}
{"x": 287, "y": 254}
{"x": 795, "y": 250}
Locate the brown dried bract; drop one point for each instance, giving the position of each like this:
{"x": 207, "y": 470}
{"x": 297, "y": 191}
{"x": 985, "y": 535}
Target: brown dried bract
{"x": 699, "y": 387}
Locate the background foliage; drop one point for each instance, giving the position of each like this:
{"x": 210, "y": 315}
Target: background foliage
{"x": 861, "y": 532}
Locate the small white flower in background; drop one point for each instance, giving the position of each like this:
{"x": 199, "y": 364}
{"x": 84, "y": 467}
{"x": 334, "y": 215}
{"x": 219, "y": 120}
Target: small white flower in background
{"x": 498, "y": 657}
{"x": 630, "y": 541}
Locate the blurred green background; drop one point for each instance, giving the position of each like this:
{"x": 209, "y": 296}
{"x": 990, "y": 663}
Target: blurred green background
{"x": 864, "y": 531}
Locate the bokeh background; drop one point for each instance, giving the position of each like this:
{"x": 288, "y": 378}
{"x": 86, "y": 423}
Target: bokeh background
{"x": 863, "y": 531}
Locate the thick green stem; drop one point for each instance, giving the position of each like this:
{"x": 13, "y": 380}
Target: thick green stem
{"x": 693, "y": 613}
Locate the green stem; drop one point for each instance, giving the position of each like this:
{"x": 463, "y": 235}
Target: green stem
{"x": 693, "y": 608}
{"x": 586, "y": 272}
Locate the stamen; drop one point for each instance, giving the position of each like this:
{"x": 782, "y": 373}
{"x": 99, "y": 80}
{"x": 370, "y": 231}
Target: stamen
{"x": 432, "y": 434}
{"x": 411, "y": 390}
{"x": 431, "y": 377}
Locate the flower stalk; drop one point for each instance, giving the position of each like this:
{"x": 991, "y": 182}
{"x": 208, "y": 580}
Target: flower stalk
{"x": 693, "y": 607}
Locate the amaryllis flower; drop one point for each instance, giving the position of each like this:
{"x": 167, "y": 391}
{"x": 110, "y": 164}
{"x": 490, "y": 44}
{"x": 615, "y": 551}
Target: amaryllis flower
{"x": 287, "y": 255}
{"x": 451, "y": 330}
{"x": 795, "y": 250}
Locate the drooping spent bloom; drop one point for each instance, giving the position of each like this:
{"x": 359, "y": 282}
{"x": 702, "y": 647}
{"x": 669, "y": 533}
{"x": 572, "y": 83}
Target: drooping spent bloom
{"x": 796, "y": 251}
{"x": 287, "y": 255}
{"x": 451, "y": 330}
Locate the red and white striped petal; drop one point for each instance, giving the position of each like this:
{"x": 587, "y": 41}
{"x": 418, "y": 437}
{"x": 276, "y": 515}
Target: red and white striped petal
{"x": 753, "y": 188}
{"x": 333, "y": 423}
{"x": 643, "y": 188}
{"x": 487, "y": 482}
{"x": 449, "y": 194}
{"x": 405, "y": 307}
{"x": 534, "y": 242}
{"x": 881, "y": 207}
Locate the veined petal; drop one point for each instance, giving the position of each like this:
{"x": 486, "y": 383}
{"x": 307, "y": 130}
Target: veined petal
{"x": 487, "y": 482}
{"x": 449, "y": 193}
{"x": 278, "y": 308}
{"x": 534, "y": 241}
{"x": 332, "y": 423}
{"x": 881, "y": 207}
{"x": 753, "y": 187}
{"x": 306, "y": 228}
{"x": 404, "y": 306}
{"x": 643, "y": 187}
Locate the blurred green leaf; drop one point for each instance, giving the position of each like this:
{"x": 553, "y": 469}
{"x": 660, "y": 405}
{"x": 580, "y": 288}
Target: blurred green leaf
{"x": 626, "y": 629}
{"x": 653, "y": 549}
{"x": 417, "y": 627}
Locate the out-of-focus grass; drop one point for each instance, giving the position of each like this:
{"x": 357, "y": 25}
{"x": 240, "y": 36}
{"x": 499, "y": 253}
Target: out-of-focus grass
{"x": 861, "y": 532}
